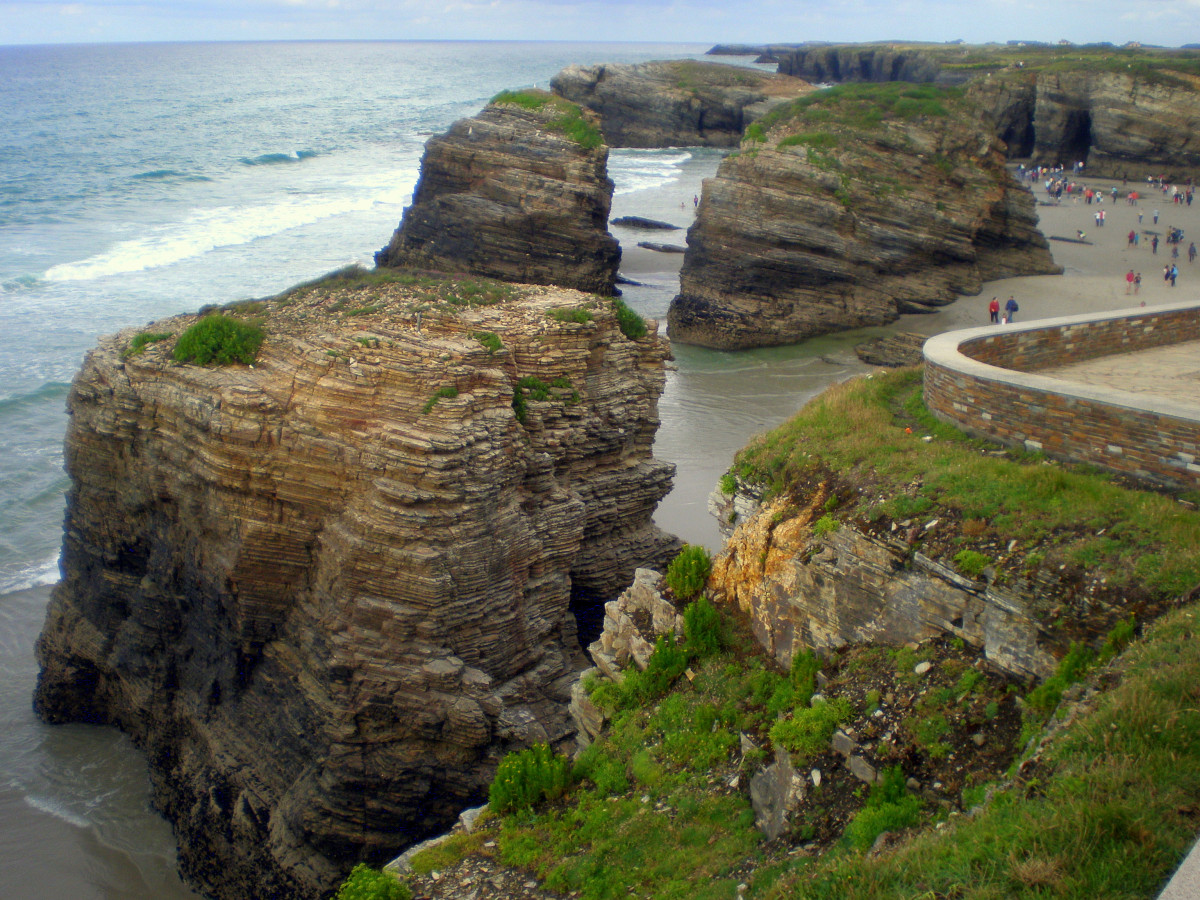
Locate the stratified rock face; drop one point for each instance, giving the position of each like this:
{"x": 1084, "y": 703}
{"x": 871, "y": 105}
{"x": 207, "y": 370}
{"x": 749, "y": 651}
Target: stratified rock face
{"x": 802, "y": 591}
{"x": 508, "y": 194}
{"x": 820, "y": 229}
{"x": 677, "y": 103}
{"x": 326, "y": 593}
{"x": 1119, "y": 124}
{"x": 867, "y": 62}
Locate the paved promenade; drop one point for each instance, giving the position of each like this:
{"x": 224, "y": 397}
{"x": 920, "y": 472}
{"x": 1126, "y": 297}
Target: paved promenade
{"x": 1172, "y": 372}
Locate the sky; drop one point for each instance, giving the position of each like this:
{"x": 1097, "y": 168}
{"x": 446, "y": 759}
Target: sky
{"x": 1166, "y": 22}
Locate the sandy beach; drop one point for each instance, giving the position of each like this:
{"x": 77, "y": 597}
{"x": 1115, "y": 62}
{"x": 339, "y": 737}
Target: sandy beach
{"x": 1093, "y": 278}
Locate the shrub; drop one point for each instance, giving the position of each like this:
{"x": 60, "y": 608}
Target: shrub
{"x": 805, "y": 666}
{"x": 527, "y": 777}
{"x": 688, "y": 572}
{"x": 490, "y": 340}
{"x": 703, "y": 628}
{"x": 631, "y": 324}
{"x": 827, "y": 524}
{"x": 221, "y": 340}
{"x": 809, "y": 730}
{"x": 728, "y": 483}
{"x": 890, "y": 807}
{"x": 971, "y": 563}
{"x": 365, "y": 883}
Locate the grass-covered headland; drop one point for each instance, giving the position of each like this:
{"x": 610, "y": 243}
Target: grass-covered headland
{"x": 1082, "y": 786}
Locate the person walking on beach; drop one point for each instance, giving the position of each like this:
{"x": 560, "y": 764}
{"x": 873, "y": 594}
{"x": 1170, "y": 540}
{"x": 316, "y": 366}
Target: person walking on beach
{"x": 1174, "y": 273}
{"x": 1010, "y": 309}
{"x": 1129, "y": 281}
{"x": 1154, "y": 245}
{"x": 1192, "y": 252}
{"x": 1137, "y": 283}
{"x": 1156, "y": 217}
{"x": 1132, "y": 236}
{"x": 994, "y": 310}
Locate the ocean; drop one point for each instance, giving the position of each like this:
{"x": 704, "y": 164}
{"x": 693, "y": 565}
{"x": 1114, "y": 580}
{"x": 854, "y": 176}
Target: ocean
{"x": 143, "y": 180}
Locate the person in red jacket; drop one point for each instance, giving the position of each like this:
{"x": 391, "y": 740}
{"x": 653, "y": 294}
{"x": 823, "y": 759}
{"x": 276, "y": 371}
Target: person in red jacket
{"x": 994, "y": 310}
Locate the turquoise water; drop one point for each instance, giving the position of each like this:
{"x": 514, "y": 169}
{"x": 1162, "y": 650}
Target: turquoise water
{"x": 139, "y": 181}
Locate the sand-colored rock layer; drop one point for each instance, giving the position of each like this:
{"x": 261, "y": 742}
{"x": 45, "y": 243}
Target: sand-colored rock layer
{"x": 324, "y": 599}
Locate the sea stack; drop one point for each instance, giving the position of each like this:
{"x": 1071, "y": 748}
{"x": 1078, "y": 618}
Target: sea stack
{"x": 846, "y": 208}
{"x": 327, "y": 592}
{"x": 519, "y": 192}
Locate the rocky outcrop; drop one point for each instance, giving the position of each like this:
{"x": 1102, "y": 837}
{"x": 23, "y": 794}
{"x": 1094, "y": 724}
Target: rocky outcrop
{"x": 675, "y": 104}
{"x": 864, "y": 62}
{"x": 519, "y": 192}
{"x": 893, "y": 351}
{"x": 326, "y": 593}
{"x": 805, "y": 590}
{"x": 1121, "y": 125}
{"x": 830, "y": 224}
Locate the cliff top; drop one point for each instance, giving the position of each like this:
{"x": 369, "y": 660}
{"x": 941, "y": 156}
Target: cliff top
{"x": 1096, "y": 548}
{"x": 359, "y": 306}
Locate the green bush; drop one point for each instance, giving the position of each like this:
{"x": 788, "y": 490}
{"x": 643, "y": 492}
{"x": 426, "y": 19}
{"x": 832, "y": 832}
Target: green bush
{"x": 365, "y": 883}
{"x": 688, "y": 572}
{"x": 221, "y": 340}
{"x": 805, "y": 666}
{"x": 827, "y": 524}
{"x": 631, "y": 324}
{"x": 809, "y": 730}
{"x": 527, "y": 777}
{"x": 889, "y": 808}
{"x": 971, "y": 563}
{"x": 490, "y": 340}
{"x": 728, "y": 483}
{"x": 703, "y": 628}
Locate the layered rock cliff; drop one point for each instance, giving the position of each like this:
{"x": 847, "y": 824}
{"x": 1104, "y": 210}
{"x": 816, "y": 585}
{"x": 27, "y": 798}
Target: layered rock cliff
{"x": 325, "y": 593}
{"x": 1121, "y": 125}
{"x": 844, "y": 210}
{"x": 519, "y": 192}
{"x": 1124, "y": 112}
{"x": 677, "y": 103}
{"x": 864, "y": 62}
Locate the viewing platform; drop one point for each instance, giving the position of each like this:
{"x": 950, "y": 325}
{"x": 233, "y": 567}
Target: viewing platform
{"x": 1119, "y": 390}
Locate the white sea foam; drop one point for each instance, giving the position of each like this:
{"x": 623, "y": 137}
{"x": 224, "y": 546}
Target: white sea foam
{"x": 229, "y": 226}
{"x": 22, "y": 578}
{"x": 640, "y": 170}
{"x": 58, "y": 810}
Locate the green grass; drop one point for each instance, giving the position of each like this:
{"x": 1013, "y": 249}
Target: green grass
{"x": 859, "y": 107}
{"x": 365, "y": 883}
{"x": 1110, "y": 812}
{"x": 533, "y": 388}
{"x": 576, "y": 316}
{"x": 857, "y": 430}
{"x": 446, "y": 392}
{"x": 220, "y": 340}
{"x": 490, "y": 340}
{"x": 570, "y": 120}
{"x": 141, "y": 341}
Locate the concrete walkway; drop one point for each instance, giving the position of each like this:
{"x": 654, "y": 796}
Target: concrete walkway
{"x": 1172, "y": 372}
{"x": 1185, "y": 884}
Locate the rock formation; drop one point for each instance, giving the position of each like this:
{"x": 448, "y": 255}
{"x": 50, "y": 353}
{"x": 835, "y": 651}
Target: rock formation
{"x": 1121, "y": 125}
{"x": 1126, "y": 114}
{"x": 677, "y": 103}
{"x": 863, "y": 62}
{"x": 847, "y": 210}
{"x": 325, "y": 593}
{"x": 519, "y": 192}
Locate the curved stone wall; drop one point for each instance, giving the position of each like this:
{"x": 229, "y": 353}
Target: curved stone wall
{"x": 985, "y": 381}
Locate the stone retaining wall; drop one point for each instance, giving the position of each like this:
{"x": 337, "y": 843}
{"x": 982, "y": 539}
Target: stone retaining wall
{"x": 984, "y": 381}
